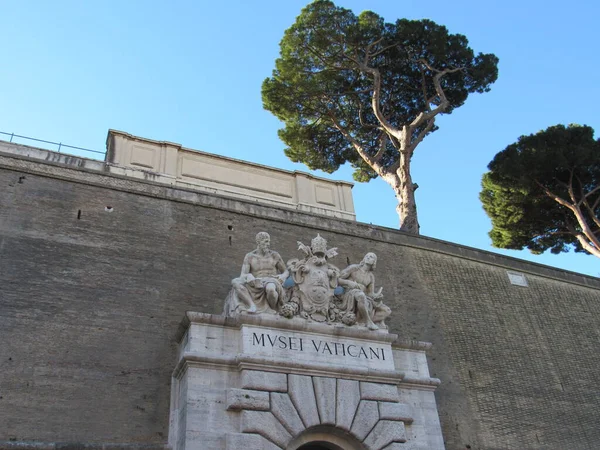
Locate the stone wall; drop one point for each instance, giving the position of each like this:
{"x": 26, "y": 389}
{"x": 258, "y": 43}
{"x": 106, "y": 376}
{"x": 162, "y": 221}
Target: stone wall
{"x": 97, "y": 270}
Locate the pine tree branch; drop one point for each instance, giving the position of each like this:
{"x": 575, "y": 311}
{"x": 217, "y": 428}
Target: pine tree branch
{"x": 368, "y": 54}
{"x": 571, "y": 191}
{"x": 591, "y": 212}
{"x": 592, "y": 248}
{"x": 376, "y": 95}
{"x": 593, "y": 191}
{"x": 424, "y": 88}
{"x": 561, "y": 233}
{"x": 383, "y": 141}
{"x": 596, "y": 203}
{"x": 555, "y": 197}
{"x": 383, "y": 50}
{"x": 320, "y": 57}
{"x": 588, "y": 240}
{"x": 584, "y": 201}
{"x": 581, "y": 238}
{"x": 359, "y": 149}
{"x": 421, "y": 135}
{"x": 376, "y": 99}
{"x": 444, "y": 103}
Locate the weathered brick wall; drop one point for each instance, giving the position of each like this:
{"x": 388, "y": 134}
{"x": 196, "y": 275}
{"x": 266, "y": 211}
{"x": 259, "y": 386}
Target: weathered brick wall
{"x": 90, "y": 301}
{"x": 527, "y": 357}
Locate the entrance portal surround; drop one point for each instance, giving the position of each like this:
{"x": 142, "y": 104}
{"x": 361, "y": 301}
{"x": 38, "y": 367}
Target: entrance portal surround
{"x": 265, "y": 382}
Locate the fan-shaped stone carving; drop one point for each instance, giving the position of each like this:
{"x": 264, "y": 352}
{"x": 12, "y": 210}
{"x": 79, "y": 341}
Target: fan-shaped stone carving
{"x": 369, "y": 412}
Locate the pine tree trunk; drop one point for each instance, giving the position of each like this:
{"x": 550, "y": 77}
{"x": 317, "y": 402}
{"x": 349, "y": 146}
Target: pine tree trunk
{"x": 407, "y": 210}
{"x": 404, "y": 189}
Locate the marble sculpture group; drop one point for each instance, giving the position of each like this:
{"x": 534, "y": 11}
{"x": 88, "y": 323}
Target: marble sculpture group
{"x": 310, "y": 287}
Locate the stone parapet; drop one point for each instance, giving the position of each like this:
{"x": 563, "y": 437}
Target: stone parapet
{"x": 220, "y": 175}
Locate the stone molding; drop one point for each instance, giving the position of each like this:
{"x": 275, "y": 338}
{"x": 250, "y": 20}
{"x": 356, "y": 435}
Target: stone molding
{"x": 310, "y": 401}
{"x": 295, "y": 324}
{"x": 274, "y": 366}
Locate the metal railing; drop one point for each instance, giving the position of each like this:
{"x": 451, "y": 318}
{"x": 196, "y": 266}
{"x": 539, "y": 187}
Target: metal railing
{"x": 59, "y": 144}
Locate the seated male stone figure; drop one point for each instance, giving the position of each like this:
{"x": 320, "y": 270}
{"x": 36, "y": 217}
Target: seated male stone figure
{"x": 259, "y": 288}
{"x": 359, "y": 295}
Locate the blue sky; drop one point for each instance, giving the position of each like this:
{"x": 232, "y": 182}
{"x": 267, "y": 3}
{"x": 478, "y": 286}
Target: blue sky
{"x": 191, "y": 71}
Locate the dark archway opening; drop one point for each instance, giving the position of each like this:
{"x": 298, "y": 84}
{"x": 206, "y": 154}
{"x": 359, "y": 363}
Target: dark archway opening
{"x": 325, "y": 437}
{"x": 319, "y": 446}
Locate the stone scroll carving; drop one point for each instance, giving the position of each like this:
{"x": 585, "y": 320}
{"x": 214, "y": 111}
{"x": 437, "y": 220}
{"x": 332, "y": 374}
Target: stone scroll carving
{"x": 309, "y": 287}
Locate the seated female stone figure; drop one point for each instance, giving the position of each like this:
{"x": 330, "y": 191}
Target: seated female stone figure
{"x": 359, "y": 295}
{"x": 258, "y": 289}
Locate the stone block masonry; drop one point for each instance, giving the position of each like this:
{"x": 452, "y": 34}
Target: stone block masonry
{"x": 296, "y": 403}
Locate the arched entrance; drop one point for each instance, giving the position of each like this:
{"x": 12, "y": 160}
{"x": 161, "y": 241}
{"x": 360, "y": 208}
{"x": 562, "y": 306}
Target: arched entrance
{"x": 320, "y": 446}
{"x": 325, "y": 437}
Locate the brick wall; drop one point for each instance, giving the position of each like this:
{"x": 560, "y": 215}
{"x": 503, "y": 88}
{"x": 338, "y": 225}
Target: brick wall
{"x": 96, "y": 272}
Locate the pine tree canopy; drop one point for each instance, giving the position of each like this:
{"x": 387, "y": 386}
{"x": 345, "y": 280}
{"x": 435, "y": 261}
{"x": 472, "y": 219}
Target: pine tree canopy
{"x": 344, "y": 81}
{"x": 543, "y": 192}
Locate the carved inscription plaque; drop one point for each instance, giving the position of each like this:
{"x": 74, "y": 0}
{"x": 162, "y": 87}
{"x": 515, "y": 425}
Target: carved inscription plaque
{"x": 312, "y": 347}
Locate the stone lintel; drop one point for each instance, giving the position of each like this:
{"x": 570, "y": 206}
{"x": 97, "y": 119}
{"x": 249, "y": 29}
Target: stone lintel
{"x": 410, "y": 344}
{"x": 226, "y": 362}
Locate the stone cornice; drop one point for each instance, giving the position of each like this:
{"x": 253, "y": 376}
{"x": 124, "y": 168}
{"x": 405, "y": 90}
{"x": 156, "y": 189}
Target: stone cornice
{"x": 277, "y": 322}
{"x": 239, "y": 363}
